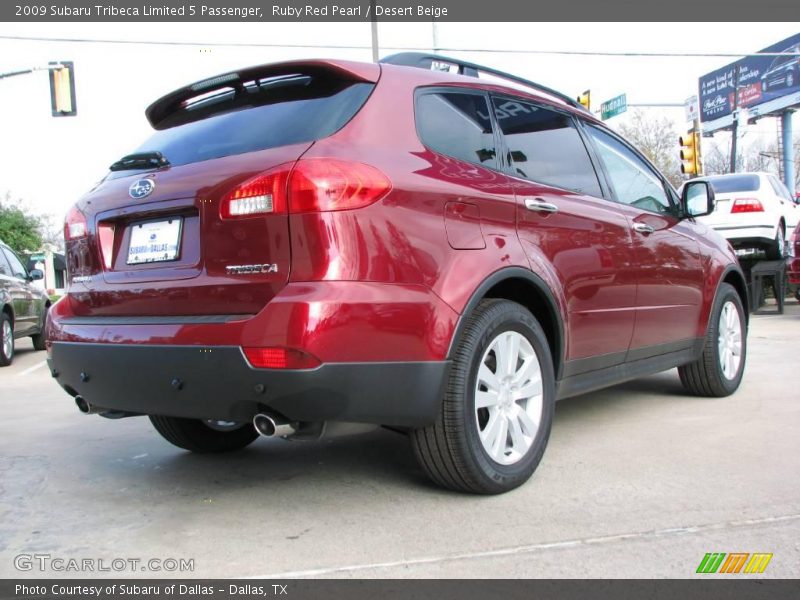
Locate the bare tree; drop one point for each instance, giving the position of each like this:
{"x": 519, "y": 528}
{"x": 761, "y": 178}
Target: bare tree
{"x": 655, "y": 137}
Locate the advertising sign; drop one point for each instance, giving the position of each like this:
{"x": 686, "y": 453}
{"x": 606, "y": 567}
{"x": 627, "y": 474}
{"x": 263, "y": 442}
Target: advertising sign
{"x": 764, "y": 84}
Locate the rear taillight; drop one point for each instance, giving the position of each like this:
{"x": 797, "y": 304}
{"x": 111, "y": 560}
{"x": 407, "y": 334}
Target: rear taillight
{"x": 322, "y": 185}
{"x": 280, "y": 358}
{"x": 747, "y": 205}
{"x": 313, "y": 185}
{"x": 263, "y": 194}
{"x": 75, "y": 225}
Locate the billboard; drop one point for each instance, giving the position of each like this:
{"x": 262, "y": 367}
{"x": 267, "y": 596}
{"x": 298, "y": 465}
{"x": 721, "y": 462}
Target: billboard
{"x": 765, "y": 84}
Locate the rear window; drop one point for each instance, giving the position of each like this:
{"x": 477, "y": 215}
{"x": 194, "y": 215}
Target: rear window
{"x": 264, "y": 115}
{"x": 737, "y": 183}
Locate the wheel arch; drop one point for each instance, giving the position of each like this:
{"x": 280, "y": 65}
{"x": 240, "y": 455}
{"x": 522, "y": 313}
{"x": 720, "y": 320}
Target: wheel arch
{"x": 526, "y": 288}
{"x": 9, "y": 311}
{"x": 734, "y": 276}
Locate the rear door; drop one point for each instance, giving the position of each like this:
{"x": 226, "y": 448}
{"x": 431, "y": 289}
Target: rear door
{"x": 668, "y": 268}
{"x": 569, "y": 229}
{"x": 160, "y": 241}
{"x": 16, "y": 282}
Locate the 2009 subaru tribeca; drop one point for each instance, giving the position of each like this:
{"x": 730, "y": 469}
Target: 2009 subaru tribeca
{"x": 307, "y": 247}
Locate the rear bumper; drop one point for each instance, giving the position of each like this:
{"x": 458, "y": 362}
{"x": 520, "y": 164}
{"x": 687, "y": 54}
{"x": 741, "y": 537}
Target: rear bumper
{"x": 218, "y": 383}
{"x": 745, "y": 235}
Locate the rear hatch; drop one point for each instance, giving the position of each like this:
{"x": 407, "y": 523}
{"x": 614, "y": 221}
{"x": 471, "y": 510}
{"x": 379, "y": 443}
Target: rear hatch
{"x": 191, "y": 222}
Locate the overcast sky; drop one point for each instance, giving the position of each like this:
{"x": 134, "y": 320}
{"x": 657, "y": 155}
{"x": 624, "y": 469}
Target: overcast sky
{"x": 50, "y": 162}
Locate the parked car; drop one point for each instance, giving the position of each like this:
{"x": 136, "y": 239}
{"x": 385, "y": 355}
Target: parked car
{"x": 23, "y": 306}
{"x": 784, "y": 72}
{"x": 793, "y": 265}
{"x": 308, "y": 247}
{"x": 753, "y": 211}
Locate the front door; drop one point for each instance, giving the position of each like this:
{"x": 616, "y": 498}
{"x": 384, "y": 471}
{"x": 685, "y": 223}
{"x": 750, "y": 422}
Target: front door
{"x": 668, "y": 267}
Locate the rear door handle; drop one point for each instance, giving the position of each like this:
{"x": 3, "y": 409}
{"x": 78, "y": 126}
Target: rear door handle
{"x": 643, "y": 228}
{"x": 539, "y": 205}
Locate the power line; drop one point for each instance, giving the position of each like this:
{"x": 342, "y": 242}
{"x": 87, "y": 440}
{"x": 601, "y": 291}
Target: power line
{"x": 400, "y": 48}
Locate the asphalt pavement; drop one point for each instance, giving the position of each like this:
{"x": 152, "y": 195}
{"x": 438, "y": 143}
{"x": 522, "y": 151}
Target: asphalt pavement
{"x": 639, "y": 480}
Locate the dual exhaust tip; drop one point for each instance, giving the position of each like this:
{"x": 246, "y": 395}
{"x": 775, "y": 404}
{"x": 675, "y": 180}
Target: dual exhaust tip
{"x": 266, "y": 425}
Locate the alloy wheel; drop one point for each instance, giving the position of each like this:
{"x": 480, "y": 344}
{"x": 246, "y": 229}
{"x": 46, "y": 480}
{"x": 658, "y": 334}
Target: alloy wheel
{"x": 730, "y": 340}
{"x": 508, "y": 398}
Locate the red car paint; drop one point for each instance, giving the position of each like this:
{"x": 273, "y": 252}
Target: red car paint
{"x": 390, "y": 281}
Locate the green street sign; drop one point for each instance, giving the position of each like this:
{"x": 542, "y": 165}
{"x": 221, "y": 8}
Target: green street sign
{"x": 615, "y": 106}
{"x": 37, "y": 257}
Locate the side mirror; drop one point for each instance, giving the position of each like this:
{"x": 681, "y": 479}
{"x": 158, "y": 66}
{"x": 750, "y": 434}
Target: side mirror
{"x": 697, "y": 198}
{"x": 35, "y": 274}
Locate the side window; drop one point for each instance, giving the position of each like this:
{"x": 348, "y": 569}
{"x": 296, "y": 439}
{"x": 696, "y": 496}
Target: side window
{"x": 634, "y": 182}
{"x": 458, "y": 125}
{"x": 544, "y": 146}
{"x": 17, "y": 270}
{"x": 780, "y": 189}
{"x": 5, "y": 268}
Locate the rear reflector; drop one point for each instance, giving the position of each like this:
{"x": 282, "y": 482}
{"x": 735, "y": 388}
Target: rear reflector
{"x": 280, "y": 358}
{"x": 75, "y": 225}
{"x": 313, "y": 185}
{"x": 746, "y": 205}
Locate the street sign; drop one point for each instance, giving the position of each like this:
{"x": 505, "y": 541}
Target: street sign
{"x": 37, "y": 257}
{"x": 692, "y": 107}
{"x": 615, "y": 106}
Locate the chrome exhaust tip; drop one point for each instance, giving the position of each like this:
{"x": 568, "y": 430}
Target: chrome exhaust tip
{"x": 85, "y": 407}
{"x": 272, "y": 426}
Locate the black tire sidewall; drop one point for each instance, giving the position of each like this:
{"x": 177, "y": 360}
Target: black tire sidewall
{"x": 494, "y": 475}
{"x": 727, "y": 294}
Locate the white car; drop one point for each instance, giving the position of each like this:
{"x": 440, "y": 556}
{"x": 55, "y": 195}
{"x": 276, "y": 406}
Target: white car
{"x": 753, "y": 211}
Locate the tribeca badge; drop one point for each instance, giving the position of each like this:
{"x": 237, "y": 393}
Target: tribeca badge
{"x": 752, "y": 563}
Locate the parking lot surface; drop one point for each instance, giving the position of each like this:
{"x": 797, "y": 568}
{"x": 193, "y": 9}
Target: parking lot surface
{"x": 639, "y": 480}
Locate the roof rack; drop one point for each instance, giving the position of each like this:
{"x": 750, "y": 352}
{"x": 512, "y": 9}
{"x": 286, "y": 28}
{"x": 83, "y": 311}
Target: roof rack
{"x": 427, "y": 61}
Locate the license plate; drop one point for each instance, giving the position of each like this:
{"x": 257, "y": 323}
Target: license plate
{"x": 154, "y": 241}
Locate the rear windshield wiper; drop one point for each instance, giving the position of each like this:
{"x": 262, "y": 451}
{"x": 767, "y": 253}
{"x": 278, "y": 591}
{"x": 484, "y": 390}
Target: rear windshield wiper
{"x": 141, "y": 160}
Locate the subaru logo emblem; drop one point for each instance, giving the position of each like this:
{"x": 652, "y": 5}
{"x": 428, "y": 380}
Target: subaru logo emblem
{"x": 141, "y": 188}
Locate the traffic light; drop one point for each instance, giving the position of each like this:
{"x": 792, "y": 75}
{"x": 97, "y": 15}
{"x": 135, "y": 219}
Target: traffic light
{"x": 585, "y": 100}
{"x": 690, "y": 153}
{"x": 62, "y": 89}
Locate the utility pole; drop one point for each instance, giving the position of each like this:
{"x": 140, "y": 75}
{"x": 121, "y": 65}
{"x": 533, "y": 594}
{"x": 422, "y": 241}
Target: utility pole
{"x": 375, "y": 55}
{"x": 788, "y": 150}
{"x": 735, "y": 113}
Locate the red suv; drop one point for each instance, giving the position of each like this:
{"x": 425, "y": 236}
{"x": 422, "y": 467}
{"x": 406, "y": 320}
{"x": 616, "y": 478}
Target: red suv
{"x": 304, "y": 248}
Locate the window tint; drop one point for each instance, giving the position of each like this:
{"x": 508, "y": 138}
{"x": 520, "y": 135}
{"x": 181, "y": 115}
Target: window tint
{"x": 458, "y": 125}
{"x": 634, "y": 182}
{"x": 726, "y": 184}
{"x": 17, "y": 270}
{"x": 307, "y": 110}
{"x": 5, "y": 268}
{"x": 544, "y": 146}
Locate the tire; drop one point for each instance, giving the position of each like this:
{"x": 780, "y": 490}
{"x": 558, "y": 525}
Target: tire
{"x": 797, "y": 294}
{"x": 6, "y": 340}
{"x": 777, "y": 250}
{"x": 451, "y": 451}
{"x": 40, "y": 339}
{"x": 707, "y": 376}
{"x": 196, "y": 436}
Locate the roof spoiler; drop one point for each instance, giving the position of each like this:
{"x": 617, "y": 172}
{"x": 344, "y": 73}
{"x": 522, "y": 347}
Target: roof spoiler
{"x": 162, "y": 108}
{"x": 436, "y": 61}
